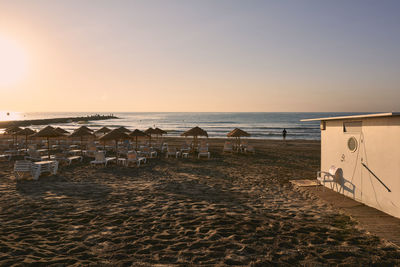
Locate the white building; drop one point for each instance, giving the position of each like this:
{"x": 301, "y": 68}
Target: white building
{"x": 364, "y": 151}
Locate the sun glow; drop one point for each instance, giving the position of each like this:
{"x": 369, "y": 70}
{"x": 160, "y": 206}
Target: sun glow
{"x": 13, "y": 62}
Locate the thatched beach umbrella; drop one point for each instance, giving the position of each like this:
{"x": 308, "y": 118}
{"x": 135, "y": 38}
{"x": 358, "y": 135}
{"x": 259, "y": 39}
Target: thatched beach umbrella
{"x": 159, "y": 132}
{"x": 102, "y": 130}
{"x": 85, "y": 128}
{"x": 26, "y": 132}
{"x": 13, "y": 130}
{"x": 195, "y": 132}
{"x": 115, "y": 135}
{"x": 61, "y": 130}
{"x": 137, "y": 133}
{"x": 149, "y": 132}
{"x": 47, "y": 132}
{"x": 237, "y": 133}
{"x": 81, "y": 132}
{"x": 123, "y": 129}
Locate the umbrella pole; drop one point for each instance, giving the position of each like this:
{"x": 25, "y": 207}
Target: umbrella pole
{"x": 26, "y": 143}
{"x": 194, "y": 143}
{"x": 136, "y": 142}
{"x": 48, "y": 146}
{"x": 116, "y": 149}
{"x": 81, "y": 146}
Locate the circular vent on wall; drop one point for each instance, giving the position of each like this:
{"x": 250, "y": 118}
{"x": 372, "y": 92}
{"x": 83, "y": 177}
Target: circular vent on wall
{"x": 352, "y": 144}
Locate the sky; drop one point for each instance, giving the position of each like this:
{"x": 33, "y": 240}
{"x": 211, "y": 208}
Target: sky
{"x": 195, "y": 56}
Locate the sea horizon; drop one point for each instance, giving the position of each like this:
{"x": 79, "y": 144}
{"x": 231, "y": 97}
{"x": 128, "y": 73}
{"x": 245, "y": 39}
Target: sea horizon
{"x": 261, "y": 125}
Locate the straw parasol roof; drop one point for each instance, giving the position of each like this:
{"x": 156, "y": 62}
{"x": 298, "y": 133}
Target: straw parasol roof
{"x": 26, "y": 132}
{"x": 103, "y": 130}
{"x": 47, "y": 132}
{"x": 137, "y": 133}
{"x": 116, "y": 134}
{"x": 159, "y": 131}
{"x": 123, "y": 129}
{"x": 151, "y": 131}
{"x": 81, "y": 132}
{"x": 61, "y": 130}
{"x": 196, "y": 131}
{"x": 238, "y": 133}
{"x": 13, "y": 129}
{"x": 86, "y": 128}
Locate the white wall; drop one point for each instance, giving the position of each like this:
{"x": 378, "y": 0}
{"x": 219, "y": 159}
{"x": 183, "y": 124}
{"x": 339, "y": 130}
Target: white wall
{"x": 378, "y": 148}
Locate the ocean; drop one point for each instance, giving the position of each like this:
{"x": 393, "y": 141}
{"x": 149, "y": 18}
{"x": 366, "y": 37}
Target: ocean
{"x": 261, "y": 125}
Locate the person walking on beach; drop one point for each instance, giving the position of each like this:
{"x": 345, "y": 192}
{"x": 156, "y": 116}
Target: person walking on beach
{"x": 284, "y": 134}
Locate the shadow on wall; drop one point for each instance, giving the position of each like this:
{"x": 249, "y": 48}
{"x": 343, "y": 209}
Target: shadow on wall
{"x": 338, "y": 183}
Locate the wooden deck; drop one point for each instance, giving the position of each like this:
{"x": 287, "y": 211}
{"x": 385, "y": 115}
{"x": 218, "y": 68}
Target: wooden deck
{"x": 372, "y": 220}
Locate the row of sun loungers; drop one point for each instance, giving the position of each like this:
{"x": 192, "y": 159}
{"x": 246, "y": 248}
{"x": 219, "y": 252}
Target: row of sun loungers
{"x": 36, "y": 163}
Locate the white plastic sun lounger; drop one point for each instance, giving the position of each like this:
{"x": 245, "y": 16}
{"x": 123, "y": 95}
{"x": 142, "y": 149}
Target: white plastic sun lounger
{"x": 171, "y": 151}
{"x": 133, "y": 157}
{"x": 22, "y": 167}
{"x": 100, "y": 158}
{"x": 228, "y": 147}
{"x": 203, "y": 151}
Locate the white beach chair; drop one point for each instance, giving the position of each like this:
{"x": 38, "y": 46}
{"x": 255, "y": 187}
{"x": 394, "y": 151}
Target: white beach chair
{"x": 22, "y": 167}
{"x": 185, "y": 148}
{"x": 203, "y": 151}
{"x": 44, "y": 166}
{"x": 333, "y": 175}
{"x": 91, "y": 151}
{"x": 63, "y": 157}
{"x": 33, "y": 155}
{"x": 228, "y": 147}
{"x": 148, "y": 153}
{"x": 100, "y": 158}
{"x": 164, "y": 147}
{"x": 250, "y": 148}
{"x": 171, "y": 151}
{"x": 6, "y": 156}
{"x": 71, "y": 158}
{"x": 132, "y": 156}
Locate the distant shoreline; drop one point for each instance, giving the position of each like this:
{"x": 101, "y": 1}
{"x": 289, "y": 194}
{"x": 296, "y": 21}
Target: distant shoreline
{"x": 6, "y": 124}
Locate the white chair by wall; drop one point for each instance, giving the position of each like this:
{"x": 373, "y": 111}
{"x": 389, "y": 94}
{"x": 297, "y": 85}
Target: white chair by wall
{"x": 334, "y": 176}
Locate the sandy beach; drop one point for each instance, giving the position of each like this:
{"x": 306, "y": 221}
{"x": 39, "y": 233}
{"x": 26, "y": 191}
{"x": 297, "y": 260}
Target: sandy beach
{"x": 233, "y": 209}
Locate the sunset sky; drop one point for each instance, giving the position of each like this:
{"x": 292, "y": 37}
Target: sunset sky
{"x": 216, "y": 55}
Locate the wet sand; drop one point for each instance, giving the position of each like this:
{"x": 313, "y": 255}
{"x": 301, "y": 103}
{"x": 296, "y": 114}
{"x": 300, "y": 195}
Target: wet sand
{"x": 230, "y": 210}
